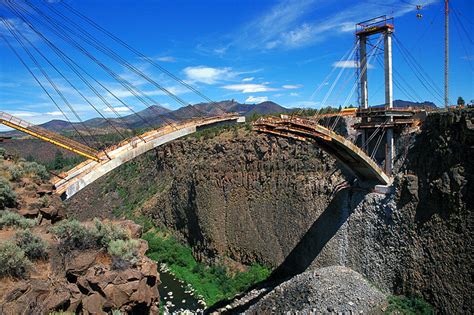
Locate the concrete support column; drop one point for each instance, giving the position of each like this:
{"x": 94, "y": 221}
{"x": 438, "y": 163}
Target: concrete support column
{"x": 364, "y": 96}
{"x": 390, "y": 150}
{"x": 388, "y": 69}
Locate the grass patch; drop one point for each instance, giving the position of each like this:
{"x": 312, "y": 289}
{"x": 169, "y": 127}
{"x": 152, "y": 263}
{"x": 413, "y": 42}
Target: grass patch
{"x": 214, "y": 283}
{"x": 408, "y": 306}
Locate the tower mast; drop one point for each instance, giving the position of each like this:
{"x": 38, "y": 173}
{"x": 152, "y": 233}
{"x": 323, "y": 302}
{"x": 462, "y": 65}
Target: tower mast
{"x": 446, "y": 53}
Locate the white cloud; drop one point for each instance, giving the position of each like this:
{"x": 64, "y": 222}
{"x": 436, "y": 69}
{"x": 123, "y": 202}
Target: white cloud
{"x": 287, "y": 24}
{"x": 55, "y": 113}
{"x": 249, "y": 88}
{"x": 118, "y": 109}
{"x": 294, "y": 94}
{"x": 209, "y": 75}
{"x": 248, "y": 79}
{"x": 292, "y": 86}
{"x": 166, "y": 59}
{"x": 256, "y": 99}
{"x": 348, "y": 64}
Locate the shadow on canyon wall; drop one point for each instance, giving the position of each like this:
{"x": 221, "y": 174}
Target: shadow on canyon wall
{"x": 307, "y": 249}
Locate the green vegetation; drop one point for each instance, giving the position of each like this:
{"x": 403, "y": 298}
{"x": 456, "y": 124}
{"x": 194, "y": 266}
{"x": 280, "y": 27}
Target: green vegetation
{"x": 13, "y": 219}
{"x": 408, "y": 306}
{"x": 13, "y": 261}
{"x": 211, "y": 132}
{"x": 7, "y": 195}
{"x": 214, "y": 283}
{"x": 32, "y": 245}
{"x": 74, "y": 235}
{"x": 62, "y": 163}
{"x": 133, "y": 196}
{"x": 27, "y": 169}
{"x": 124, "y": 252}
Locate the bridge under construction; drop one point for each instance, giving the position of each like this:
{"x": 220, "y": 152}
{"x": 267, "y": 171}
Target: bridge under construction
{"x": 370, "y": 161}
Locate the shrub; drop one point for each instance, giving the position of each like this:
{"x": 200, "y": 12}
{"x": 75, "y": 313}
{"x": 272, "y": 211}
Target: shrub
{"x": 73, "y": 235}
{"x": 104, "y": 233}
{"x": 2, "y": 152}
{"x": 16, "y": 173}
{"x": 35, "y": 170}
{"x": 7, "y": 195}
{"x": 13, "y": 219}
{"x": 408, "y": 306}
{"x": 13, "y": 261}
{"x": 44, "y": 201}
{"x": 33, "y": 245}
{"x": 124, "y": 252}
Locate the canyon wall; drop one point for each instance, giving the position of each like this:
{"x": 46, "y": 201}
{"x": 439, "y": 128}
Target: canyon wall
{"x": 257, "y": 198}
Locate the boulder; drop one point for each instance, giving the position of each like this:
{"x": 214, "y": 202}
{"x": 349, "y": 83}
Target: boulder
{"x": 79, "y": 261}
{"x": 135, "y": 229}
{"x": 93, "y": 304}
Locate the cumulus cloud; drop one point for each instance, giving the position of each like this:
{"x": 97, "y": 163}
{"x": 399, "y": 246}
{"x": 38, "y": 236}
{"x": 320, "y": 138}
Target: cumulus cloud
{"x": 256, "y": 99}
{"x": 209, "y": 75}
{"x": 249, "y": 88}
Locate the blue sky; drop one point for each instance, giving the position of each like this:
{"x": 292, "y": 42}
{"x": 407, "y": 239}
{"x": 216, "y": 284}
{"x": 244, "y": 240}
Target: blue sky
{"x": 250, "y": 51}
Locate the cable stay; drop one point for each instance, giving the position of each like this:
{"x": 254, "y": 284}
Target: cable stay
{"x": 138, "y": 53}
{"x": 44, "y": 73}
{"x": 137, "y": 93}
{"x": 73, "y": 86}
{"x": 86, "y": 37}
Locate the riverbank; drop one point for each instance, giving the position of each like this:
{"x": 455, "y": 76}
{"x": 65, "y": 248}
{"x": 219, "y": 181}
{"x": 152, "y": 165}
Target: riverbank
{"x": 209, "y": 283}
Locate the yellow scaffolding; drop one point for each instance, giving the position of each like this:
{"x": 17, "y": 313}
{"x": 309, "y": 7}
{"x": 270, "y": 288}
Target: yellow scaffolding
{"x": 46, "y": 135}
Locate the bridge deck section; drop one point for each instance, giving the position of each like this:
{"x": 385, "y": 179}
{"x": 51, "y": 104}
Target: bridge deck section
{"x": 87, "y": 172}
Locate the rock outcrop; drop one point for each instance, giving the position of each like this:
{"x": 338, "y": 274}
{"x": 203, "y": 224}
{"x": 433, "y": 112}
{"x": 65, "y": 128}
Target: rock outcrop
{"x": 89, "y": 288}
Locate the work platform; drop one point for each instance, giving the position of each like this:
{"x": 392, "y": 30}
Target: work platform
{"x": 397, "y": 118}
{"x": 48, "y": 136}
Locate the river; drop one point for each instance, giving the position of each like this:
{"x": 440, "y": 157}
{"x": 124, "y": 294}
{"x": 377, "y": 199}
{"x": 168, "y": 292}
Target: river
{"x": 175, "y": 296}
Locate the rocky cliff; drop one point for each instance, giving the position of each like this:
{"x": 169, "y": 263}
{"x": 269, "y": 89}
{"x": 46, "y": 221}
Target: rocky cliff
{"x": 258, "y": 198}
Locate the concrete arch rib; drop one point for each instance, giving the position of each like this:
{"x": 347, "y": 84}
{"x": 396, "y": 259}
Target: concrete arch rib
{"x": 89, "y": 171}
{"x": 354, "y": 158}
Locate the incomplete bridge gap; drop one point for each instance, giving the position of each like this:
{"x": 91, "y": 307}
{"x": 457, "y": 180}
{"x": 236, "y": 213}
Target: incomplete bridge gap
{"x": 372, "y": 123}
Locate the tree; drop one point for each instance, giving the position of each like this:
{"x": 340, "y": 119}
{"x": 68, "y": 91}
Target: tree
{"x": 58, "y": 160}
{"x": 461, "y": 101}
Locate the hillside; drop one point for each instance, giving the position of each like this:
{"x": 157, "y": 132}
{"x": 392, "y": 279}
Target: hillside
{"x": 156, "y": 115}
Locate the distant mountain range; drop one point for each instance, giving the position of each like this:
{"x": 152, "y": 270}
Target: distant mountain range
{"x": 156, "y": 115}
{"x": 402, "y": 104}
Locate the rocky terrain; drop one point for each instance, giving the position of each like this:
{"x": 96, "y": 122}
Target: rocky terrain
{"x": 257, "y": 198}
{"x": 49, "y": 263}
{"x": 333, "y": 289}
